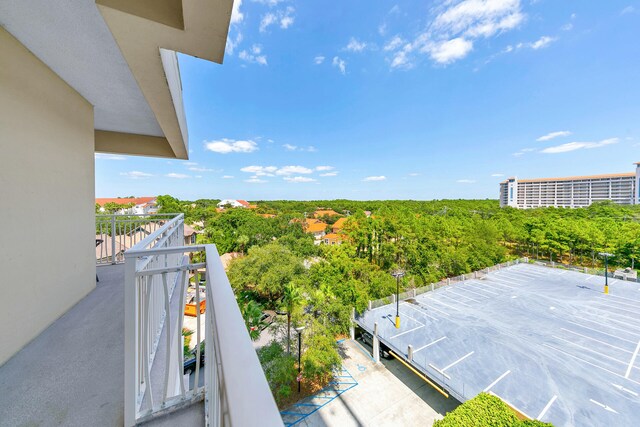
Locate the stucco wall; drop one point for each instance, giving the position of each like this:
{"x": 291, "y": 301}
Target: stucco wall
{"x": 46, "y": 197}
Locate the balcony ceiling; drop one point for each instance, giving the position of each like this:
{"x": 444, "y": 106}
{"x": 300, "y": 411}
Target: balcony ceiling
{"x": 111, "y": 54}
{"x": 73, "y": 39}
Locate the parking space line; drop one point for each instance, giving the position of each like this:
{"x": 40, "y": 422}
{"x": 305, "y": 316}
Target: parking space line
{"x": 466, "y": 289}
{"x": 627, "y": 299}
{"x": 606, "y": 326}
{"x": 603, "y": 297}
{"x": 605, "y": 407}
{"x": 632, "y": 361}
{"x": 591, "y": 276}
{"x": 462, "y": 295}
{"x": 601, "y": 342}
{"x": 513, "y": 285}
{"x": 497, "y": 381}
{"x": 616, "y": 308}
{"x": 626, "y": 390}
{"x": 454, "y": 300}
{"x": 614, "y": 314}
{"x": 457, "y": 361}
{"x": 406, "y": 332}
{"x": 516, "y": 277}
{"x": 586, "y": 361}
{"x": 415, "y": 309}
{"x": 445, "y": 304}
{"x": 483, "y": 287}
{"x": 429, "y": 345}
{"x": 437, "y": 309}
{"x": 546, "y": 408}
{"x": 588, "y": 349}
{"x": 414, "y": 319}
{"x": 499, "y": 283}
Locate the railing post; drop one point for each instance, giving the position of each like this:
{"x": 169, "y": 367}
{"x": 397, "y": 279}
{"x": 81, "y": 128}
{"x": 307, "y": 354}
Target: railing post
{"x": 352, "y": 328}
{"x": 410, "y": 353}
{"x": 113, "y": 239}
{"x": 130, "y": 343}
{"x": 376, "y": 344}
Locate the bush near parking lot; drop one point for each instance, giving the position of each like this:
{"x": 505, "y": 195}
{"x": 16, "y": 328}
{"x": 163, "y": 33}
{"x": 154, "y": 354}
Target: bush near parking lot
{"x": 485, "y": 410}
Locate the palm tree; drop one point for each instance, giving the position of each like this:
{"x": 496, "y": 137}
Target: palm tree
{"x": 290, "y": 299}
{"x": 242, "y": 241}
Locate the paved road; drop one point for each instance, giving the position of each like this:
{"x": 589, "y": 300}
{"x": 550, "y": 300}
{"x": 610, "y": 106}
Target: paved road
{"x": 387, "y": 394}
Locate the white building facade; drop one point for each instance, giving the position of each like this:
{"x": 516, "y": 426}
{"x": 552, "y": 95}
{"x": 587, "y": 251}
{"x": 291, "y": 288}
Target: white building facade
{"x": 571, "y": 192}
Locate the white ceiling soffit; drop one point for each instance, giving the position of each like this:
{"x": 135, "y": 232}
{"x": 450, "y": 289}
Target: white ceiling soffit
{"x": 72, "y": 38}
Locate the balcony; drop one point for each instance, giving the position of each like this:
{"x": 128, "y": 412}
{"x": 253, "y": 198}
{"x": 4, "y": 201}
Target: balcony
{"x": 116, "y": 357}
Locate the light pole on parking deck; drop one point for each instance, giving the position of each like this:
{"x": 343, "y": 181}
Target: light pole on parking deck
{"x": 606, "y": 256}
{"x": 398, "y": 274}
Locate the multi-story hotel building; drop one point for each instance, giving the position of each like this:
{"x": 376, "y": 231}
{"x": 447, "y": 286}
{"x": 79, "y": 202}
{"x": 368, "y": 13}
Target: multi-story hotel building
{"x": 571, "y": 192}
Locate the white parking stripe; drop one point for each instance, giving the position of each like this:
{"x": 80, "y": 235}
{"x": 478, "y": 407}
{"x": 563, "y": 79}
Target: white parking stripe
{"x": 605, "y": 407}
{"x": 497, "y": 381}
{"x": 501, "y": 280}
{"x": 442, "y": 303}
{"x": 483, "y": 287}
{"x": 462, "y": 295}
{"x": 593, "y": 339}
{"x": 588, "y": 349}
{"x": 457, "y": 361}
{"x": 406, "y": 304}
{"x": 546, "y": 408}
{"x": 428, "y": 345}
{"x": 627, "y": 299}
{"x": 442, "y": 295}
{"x": 615, "y": 308}
{"x": 632, "y": 361}
{"x": 406, "y": 332}
{"x": 606, "y": 326}
{"x": 516, "y": 277}
{"x": 437, "y": 309}
{"x": 499, "y": 283}
{"x": 466, "y": 289}
{"x": 613, "y": 314}
{"x": 627, "y": 304}
{"x": 626, "y": 390}
{"x": 412, "y": 318}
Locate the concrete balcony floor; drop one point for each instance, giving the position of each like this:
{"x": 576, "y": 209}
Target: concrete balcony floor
{"x": 72, "y": 374}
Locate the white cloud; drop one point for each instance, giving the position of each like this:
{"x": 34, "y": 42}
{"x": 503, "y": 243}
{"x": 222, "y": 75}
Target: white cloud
{"x": 355, "y": 46}
{"x": 190, "y": 163}
{"x": 552, "y": 135}
{"x": 455, "y": 26}
{"x": 254, "y": 55}
{"x": 527, "y": 150}
{"x": 497, "y": 174}
{"x": 236, "y": 15}
{"x": 375, "y": 178}
{"x": 233, "y": 43}
{"x": 318, "y": 59}
{"x": 298, "y": 179}
{"x": 567, "y": 27}
{"x": 269, "y": 3}
{"x": 450, "y": 50}
{"x": 382, "y": 29}
{"x": 415, "y": 174}
{"x": 101, "y": 156}
{"x": 200, "y": 169}
{"x": 267, "y": 20}
{"x": 329, "y": 174}
{"x": 340, "y": 63}
{"x": 572, "y": 146}
{"x": 518, "y": 154}
{"x": 290, "y": 147}
{"x": 228, "y": 177}
{"x": 255, "y": 181}
{"x": 283, "y": 17}
{"x": 393, "y": 44}
{"x": 324, "y": 168}
{"x": 225, "y": 146}
{"x": 542, "y": 42}
{"x": 466, "y": 181}
{"x": 136, "y": 175}
{"x": 628, "y": 9}
{"x": 260, "y": 170}
{"x": 177, "y": 175}
{"x": 290, "y": 170}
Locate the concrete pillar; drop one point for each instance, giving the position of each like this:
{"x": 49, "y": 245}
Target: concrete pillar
{"x": 352, "y": 327}
{"x": 369, "y": 304}
{"x": 376, "y": 343}
{"x": 448, "y": 281}
{"x": 475, "y": 274}
{"x": 585, "y": 270}
{"x": 393, "y": 298}
{"x": 432, "y": 287}
{"x": 410, "y": 353}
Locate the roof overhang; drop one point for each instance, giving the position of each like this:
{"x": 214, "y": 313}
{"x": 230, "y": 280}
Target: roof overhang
{"x": 121, "y": 56}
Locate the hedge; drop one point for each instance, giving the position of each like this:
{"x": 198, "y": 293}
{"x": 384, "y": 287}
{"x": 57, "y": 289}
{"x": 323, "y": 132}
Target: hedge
{"x": 485, "y": 410}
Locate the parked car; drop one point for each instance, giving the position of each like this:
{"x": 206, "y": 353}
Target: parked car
{"x": 367, "y": 339}
{"x": 190, "y": 364}
{"x": 267, "y": 318}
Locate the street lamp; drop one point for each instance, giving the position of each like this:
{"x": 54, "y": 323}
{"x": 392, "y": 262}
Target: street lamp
{"x": 299, "y": 330}
{"x": 398, "y": 274}
{"x": 606, "y": 256}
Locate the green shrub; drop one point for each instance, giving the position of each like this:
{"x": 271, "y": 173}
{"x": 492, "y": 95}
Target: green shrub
{"x": 485, "y": 410}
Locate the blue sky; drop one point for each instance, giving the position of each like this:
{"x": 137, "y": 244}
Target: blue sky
{"x": 401, "y": 100}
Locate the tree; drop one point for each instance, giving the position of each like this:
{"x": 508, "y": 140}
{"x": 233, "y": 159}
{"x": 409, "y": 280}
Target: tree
{"x": 291, "y": 298}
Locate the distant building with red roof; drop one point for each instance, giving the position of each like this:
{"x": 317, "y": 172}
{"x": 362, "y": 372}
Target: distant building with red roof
{"x": 132, "y": 205}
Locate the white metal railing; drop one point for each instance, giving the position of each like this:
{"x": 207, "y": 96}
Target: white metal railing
{"x": 233, "y": 385}
{"x": 117, "y": 232}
